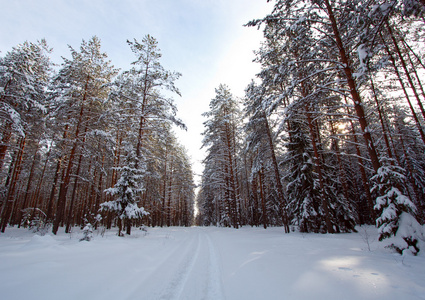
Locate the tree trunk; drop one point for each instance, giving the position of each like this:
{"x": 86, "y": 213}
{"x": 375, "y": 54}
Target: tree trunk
{"x": 232, "y": 184}
{"x": 400, "y": 80}
{"x": 373, "y": 155}
{"x": 406, "y": 71}
{"x": 414, "y": 68}
{"x": 263, "y": 200}
{"x": 99, "y": 191}
{"x": 27, "y": 190}
{"x": 143, "y": 117}
{"x": 128, "y": 224}
{"x": 4, "y": 144}
{"x": 60, "y": 209}
{"x": 280, "y": 192}
{"x": 40, "y": 183}
{"x": 381, "y": 119}
{"x": 55, "y": 180}
{"x": 318, "y": 167}
{"x": 66, "y": 180}
{"x": 53, "y": 191}
{"x": 366, "y": 186}
{"x": 170, "y": 187}
{"x": 342, "y": 173}
{"x": 164, "y": 192}
{"x": 7, "y": 210}
{"x": 69, "y": 220}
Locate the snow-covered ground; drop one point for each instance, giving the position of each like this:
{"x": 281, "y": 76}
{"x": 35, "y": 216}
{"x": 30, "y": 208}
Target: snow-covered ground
{"x": 206, "y": 263}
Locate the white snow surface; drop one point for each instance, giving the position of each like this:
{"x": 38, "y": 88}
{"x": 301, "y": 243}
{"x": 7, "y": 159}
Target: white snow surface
{"x": 206, "y": 263}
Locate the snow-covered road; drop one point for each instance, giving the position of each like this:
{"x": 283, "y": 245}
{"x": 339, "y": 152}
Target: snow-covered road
{"x": 206, "y": 263}
{"x": 189, "y": 271}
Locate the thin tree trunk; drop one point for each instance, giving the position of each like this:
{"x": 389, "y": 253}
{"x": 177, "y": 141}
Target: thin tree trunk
{"x": 342, "y": 173}
{"x": 69, "y": 220}
{"x": 406, "y": 71}
{"x": 280, "y": 192}
{"x": 84, "y": 200}
{"x": 27, "y": 190}
{"x": 55, "y": 180}
{"x": 99, "y": 190}
{"x": 318, "y": 167}
{"x": 170, "y": 187}
{"x": 254, "y": 191}
{"x": 263, "y": 200}
{"x": 358, "y": 106}
{"x": 14, "y": 196}
{"x": 400, "y": 80}
{"x": 143, "y": 117}
{"x": 7, "y": 210}
{"x": 4, "y": 144}
{"x": 366, "y": 186}
{"x": 414, "y": 70}
{"x": 93, "y": 193}
{"x": 128, "y": 224}
{"x": 232, "y": 184}
{"x": 49, "y": 215}
{"x": 60, "y": 209}
{"x": 254, "y": 208}
{"x": 66, "y": 180}
{"x": 164, "y": 192}
{"x": 381, "y": 119}
{"x": 40, "y": 182}
{"x": 406, "y": 45}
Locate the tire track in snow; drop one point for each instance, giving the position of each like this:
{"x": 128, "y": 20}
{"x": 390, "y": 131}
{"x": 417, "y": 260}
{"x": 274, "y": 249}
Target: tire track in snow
{"x": 198, "y": 276}
{"x": 189, "y": 270}
{"x": 176, "y": 286}
{"x": 215, "y": 290}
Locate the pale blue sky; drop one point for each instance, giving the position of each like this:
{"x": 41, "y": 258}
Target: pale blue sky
{"x": 202, "y": 39}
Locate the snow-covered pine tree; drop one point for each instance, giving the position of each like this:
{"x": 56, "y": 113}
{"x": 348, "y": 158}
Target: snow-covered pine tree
{"x": 260, "y": 142}
{"x": 303, "y": 187}
{"x": 411, "y": 158}
{"x": 140, "y": 89}
{"x": 126, "y": 192}
{"x": 220, "y": 136}
{"x": 81, "y": 88}
{"x": 87, "y": 233}
{"x": 294, "y": 80}
{"x": 143, "y": 115}
{"x": 396, "y": 211}
{"x": 24, "y": 75}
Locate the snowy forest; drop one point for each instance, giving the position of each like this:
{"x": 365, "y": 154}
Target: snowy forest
{"x": 83, "y": 144}
{"x": 328, "y": 136}
{"x": 332, "y": 133}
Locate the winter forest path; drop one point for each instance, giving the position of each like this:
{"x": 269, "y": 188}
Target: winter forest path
{"x": 190, "y": 271}
{"x": 195, "y": 263}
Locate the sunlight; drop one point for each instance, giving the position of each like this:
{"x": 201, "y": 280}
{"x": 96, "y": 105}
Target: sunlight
{"x": 341, "y": 127}
{"x": 340, "y": 262}
{"x": 352, "y": 271}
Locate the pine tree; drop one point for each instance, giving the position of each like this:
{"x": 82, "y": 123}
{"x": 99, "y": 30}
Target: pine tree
{"x": 396, "y": 211}
{"x": 140, "y": 88}
{"x": 303, "y": 186}
{"x": 24, "y": 76}
{"x": 127, "y": 192}
{"x": 81, "y": 90}
{"x": 261, "y": 142}
{"x": 221, "y": 161}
